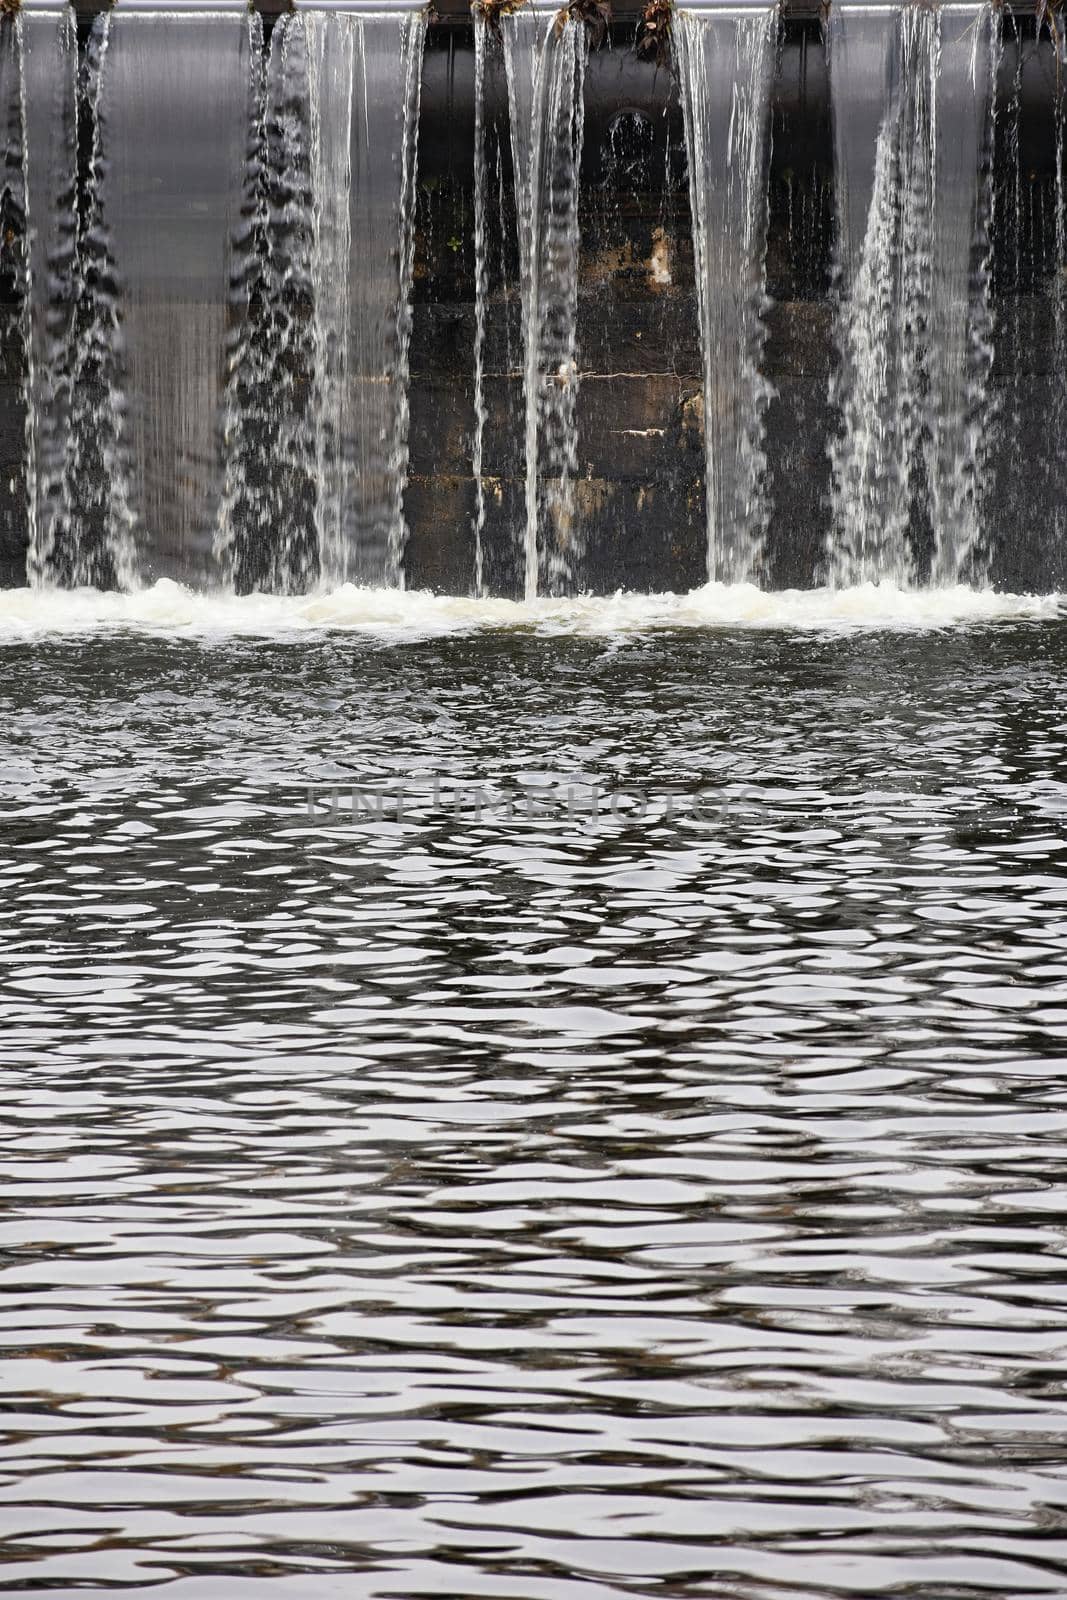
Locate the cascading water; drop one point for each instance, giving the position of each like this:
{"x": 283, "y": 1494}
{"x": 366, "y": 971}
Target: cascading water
{"x": 173, "y": 117}
{"x": 496, "y": 444}
{"x": 39, "y": 93}
{"x": 481, "y": 293}
{"x": 725, "y": 61}
{"x": 366, "y": 74}
{"x": 1032, "y": 301}
{"x": 92, "y": 528}
{"x": 126, "y": 294}
{"x": 206, "y": 259}
{"x": 267, "y": 536}
{"x": 545, "y": 58}
{"x": 328, "y": 274}
{"x": 21, "y": 495}
{"x": 913, "y": 93}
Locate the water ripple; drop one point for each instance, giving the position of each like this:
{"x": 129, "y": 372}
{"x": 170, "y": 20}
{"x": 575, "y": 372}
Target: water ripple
{"x": 445, "y": 1187}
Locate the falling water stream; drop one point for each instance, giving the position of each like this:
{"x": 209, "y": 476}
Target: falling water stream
{"x": 93, "y": 527}
{"x": 267, "y": 536}
{"x": 499, "y": 433}
{"x": 222, "y": 320}
{"x": 481, "y": 295}
{"x": 913, "y": 120}
{"x": 1031, "y": 296}
{"x": 39, "y": 66}
{"x": 174, "y": 147}
{"x": 74, "y": 481}
{"x": 365, "y": 74}
{"x": 126, "y": 288}
{"x": 545, "y": 61}
{"x": 327, "y": 270}
{"x": 726, "y": 65}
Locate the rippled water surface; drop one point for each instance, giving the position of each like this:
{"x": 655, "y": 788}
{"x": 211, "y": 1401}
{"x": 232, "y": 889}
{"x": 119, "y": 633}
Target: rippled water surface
{"x": 444, "y": 1190}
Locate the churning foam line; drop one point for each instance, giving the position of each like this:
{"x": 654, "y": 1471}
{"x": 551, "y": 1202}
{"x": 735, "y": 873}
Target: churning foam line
{"x": 168, "y": 608}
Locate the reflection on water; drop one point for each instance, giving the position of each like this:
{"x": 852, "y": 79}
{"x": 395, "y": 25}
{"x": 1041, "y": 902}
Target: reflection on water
{"x": 508, "y": 1202}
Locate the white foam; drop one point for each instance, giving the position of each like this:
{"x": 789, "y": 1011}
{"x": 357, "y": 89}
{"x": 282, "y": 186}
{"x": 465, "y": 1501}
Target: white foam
{"x": 167, "y": 608}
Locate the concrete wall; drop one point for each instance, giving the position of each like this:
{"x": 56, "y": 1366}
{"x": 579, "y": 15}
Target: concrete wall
{"x": 640, "y": 450}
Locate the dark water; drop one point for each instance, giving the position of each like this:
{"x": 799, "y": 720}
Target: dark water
{"x": 516, "y": 1203}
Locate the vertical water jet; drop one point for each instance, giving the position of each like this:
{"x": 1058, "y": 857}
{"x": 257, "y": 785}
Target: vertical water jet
{"x": 726, "y": 59}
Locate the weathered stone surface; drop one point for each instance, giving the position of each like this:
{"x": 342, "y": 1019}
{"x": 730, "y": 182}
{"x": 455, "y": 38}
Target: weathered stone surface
{"x": 799, "y": 420}
{"x": 1028, "y": 471}
{"x": 442, "y": 506}
{"x": 630, "y": 427}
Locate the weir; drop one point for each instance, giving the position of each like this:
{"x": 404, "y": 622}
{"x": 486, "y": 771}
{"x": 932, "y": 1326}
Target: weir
{"x": 501, "y": 304}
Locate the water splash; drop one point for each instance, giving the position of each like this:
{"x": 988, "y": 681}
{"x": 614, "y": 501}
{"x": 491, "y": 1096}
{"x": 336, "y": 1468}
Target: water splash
{"x": 725, "y": 62}
{"x": 545, "y": 61}
{"x": 167, "y": 608}
{"x": 326, "y": 282}
{"x": 913, "y": 101}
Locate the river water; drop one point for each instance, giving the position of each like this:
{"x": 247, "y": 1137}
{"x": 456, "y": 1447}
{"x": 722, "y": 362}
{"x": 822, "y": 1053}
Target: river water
{"x": 607, "y": 1139}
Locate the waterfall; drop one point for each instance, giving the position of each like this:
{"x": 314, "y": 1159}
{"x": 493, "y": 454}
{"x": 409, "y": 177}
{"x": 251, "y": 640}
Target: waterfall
{"x": 216, "y": 328}
{"x": 725, "y": 61}
{"x": 913, "y": 103}
{"x": 481, "y": 295}
{"x": 267, "y": 536}
{"x": 325, "y": 390}
{"x": 207, "y": 260}
{"x": 173, "y": 111}
{"x": 14, "y": 273}
{"x": 545, "y": 60}
{"x": 127, "y": 290}
{"x": 1032, "y": 310}
{"x": 39, "y": 93}
{"x": 499, "y": 563}
{"x": 365, "y": 80}
{"x": 92, "y": 527}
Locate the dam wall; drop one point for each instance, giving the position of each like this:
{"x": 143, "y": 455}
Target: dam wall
{"x": 642, "y": 479}
{"x": 636, "y": 459}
